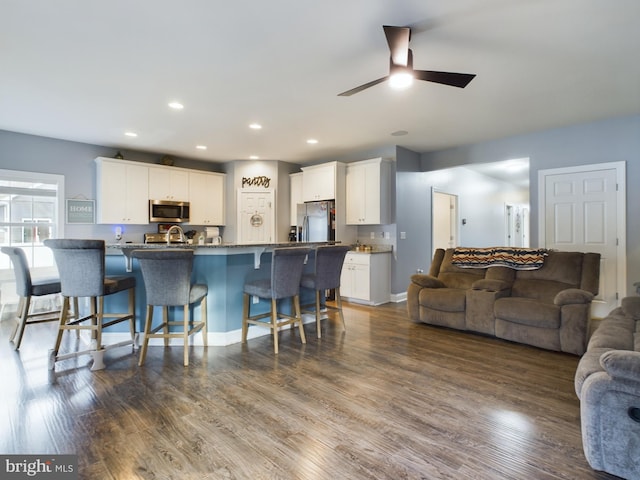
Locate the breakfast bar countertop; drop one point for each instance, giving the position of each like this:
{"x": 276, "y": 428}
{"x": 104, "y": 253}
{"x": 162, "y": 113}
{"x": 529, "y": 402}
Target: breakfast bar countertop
{"x": 119, "y": 248}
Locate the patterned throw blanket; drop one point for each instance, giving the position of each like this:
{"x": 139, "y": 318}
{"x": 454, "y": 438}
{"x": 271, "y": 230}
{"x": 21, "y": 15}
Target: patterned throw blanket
{"x": 512, "y": 257}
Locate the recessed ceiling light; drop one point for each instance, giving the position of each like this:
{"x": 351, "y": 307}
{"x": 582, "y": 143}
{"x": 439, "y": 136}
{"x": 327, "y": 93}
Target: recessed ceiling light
{"x": 131, "y": 134}
{"x": 176, "y": 105}
{"x": 201, "y": 147}
{"x": 254, "y": 157}
{"x": 255, "y": 126}
{"x": 312, "y": 141}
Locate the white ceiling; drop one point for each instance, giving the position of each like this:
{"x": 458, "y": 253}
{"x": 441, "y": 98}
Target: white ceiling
{"x": 90, "y": 71}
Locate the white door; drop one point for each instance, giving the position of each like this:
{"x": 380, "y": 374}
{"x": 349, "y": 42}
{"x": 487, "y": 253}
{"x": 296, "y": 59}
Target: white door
{"x": 256, "y": 216}
{"x": 582, "y": 213}
{"x": 444, "y": 220}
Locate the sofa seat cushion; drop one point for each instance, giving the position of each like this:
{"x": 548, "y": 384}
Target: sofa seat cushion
{"x": 443, "y": 299}
{"x": 526, "y": 311}
{"x": 588, "y": 365}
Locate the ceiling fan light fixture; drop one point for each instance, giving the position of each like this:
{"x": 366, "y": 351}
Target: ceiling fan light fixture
{"x": 401, "y": 80}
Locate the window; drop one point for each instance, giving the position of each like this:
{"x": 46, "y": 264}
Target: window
{"x": 31, "y": 210}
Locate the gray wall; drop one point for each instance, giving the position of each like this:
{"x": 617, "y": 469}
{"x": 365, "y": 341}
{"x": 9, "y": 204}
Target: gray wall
{"x": 76, "y": 162}
{"x": 605, "y": 141}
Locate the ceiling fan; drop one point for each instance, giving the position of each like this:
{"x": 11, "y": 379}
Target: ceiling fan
{"x": 401, "y": 72}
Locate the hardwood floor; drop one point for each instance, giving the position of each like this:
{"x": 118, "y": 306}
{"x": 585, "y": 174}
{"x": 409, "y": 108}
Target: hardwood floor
{"x": 388, "y": 399}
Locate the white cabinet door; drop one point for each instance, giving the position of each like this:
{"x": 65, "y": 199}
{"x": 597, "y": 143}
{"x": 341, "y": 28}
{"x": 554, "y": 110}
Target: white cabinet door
{"x": 366, "y": 278}
{"x": 319, "y": 182}
{"x": 295, "y": 182}
{"x": 168, "y": 184}
{"x": 122, "y": 192}
{"x": 206, "y": 198}
{"x": 355, "y": 192}
{"x": 368, "y": 192}
{"x": 354, "y": 280}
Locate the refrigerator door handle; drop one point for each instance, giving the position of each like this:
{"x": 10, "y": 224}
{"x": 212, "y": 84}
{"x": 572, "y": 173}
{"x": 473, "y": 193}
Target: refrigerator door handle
{"x": 305, "y": 228}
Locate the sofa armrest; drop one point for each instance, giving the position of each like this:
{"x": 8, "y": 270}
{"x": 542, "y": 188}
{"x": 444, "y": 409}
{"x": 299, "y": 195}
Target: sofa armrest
{"x": 426, "y": 281}
{"x": 491, "y": 285}
{"x": 572, "y": 296}
{"x": 623, "y": 364}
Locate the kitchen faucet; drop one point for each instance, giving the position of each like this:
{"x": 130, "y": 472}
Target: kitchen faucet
{"x": 180, "y": 231}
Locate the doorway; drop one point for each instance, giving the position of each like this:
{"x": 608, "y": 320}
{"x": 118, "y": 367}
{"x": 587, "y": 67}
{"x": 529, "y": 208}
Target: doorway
{"x": 444, "y": 220}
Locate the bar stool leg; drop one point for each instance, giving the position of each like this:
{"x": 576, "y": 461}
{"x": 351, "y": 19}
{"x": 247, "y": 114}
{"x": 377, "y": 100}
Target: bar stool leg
{"x": 23, "y": 312}
{"x": 145, "y": 338}
{"x": 274, "y": 324}
{"x": 318, "y": 322}
{"x": 185, "y": 334}
{"x": 298, "y": 313}
{"x": 339, "y": 305}
{"x": 203, "y": 313}
{"x": 245, "y": 316}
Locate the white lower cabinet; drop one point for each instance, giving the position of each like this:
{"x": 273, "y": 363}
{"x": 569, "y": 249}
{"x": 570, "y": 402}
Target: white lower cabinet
{"x": 366, "y": 278}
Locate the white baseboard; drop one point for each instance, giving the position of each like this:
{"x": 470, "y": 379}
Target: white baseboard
{"x": 399, "y": 297}
{"x": 214, "y": 339}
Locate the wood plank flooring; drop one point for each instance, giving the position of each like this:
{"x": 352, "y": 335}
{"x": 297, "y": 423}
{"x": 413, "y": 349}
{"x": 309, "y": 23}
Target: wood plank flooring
{"x": 387, "y": 399}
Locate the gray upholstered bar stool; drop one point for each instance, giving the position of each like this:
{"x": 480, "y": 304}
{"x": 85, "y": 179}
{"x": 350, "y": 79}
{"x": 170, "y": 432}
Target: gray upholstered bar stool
{"x": 284, "y": 282}
{"x": 26, "y": 287}
{"x": 167, "y": 282}
{"x": 326, "y": 276}
{"x": 81, "y": 265}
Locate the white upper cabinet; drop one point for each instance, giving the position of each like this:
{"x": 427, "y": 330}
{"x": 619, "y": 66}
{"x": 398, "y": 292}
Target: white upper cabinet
{"x": 295, "y": 181}
{"x": 206, "y": 198}
{"x": 319, "y": 182}
{"x": 368, "y": 192}
{"x": 166, "y": 183}
{"x": 122, "y": 192}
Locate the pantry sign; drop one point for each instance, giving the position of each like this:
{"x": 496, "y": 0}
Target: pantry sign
{"x": 81, "y": 211}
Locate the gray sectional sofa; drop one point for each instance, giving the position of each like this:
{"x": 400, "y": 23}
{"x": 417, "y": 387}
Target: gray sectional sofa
{"x": 607, "y": 382}
{"x": 547, "y": 307}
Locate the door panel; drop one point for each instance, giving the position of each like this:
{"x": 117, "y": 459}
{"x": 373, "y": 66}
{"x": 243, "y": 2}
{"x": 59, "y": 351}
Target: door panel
{"x": 256, "y": 216}
{"x": 581, "y": 211}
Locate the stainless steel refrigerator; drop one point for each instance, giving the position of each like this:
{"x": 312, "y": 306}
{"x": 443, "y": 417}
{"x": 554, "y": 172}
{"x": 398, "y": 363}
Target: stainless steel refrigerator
{"x": 316, "y": 221}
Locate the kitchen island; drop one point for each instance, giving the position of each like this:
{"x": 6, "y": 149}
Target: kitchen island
{"x": 223, "y": 268}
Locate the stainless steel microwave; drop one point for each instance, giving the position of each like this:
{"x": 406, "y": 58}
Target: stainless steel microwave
{"x": 168, "y": 211}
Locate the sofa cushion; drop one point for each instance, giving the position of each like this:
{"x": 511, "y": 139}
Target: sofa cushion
{"x": 443, "y": 299}
{"x": 615, "y": 331}
{"x": 542, "y": 290}
{"x": 526, "y": 311}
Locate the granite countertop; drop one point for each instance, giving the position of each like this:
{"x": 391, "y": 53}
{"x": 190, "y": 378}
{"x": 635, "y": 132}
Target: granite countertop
{"x": 127, "y": 245}
{"x": 374, "y": 249}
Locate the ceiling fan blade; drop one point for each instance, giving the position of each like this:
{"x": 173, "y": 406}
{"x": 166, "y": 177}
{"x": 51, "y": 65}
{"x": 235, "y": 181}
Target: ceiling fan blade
{"x": 398, "y": 40}
{"x": 459, "y": 80}
{"x": 362, "y": 87}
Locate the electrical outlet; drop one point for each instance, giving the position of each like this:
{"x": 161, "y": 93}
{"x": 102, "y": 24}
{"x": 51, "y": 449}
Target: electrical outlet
{"x": 118, "y": 233}
{"x": 372, "y": 235}
{"x": 403, "y": 235}
{"x": 387, "y": 235}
